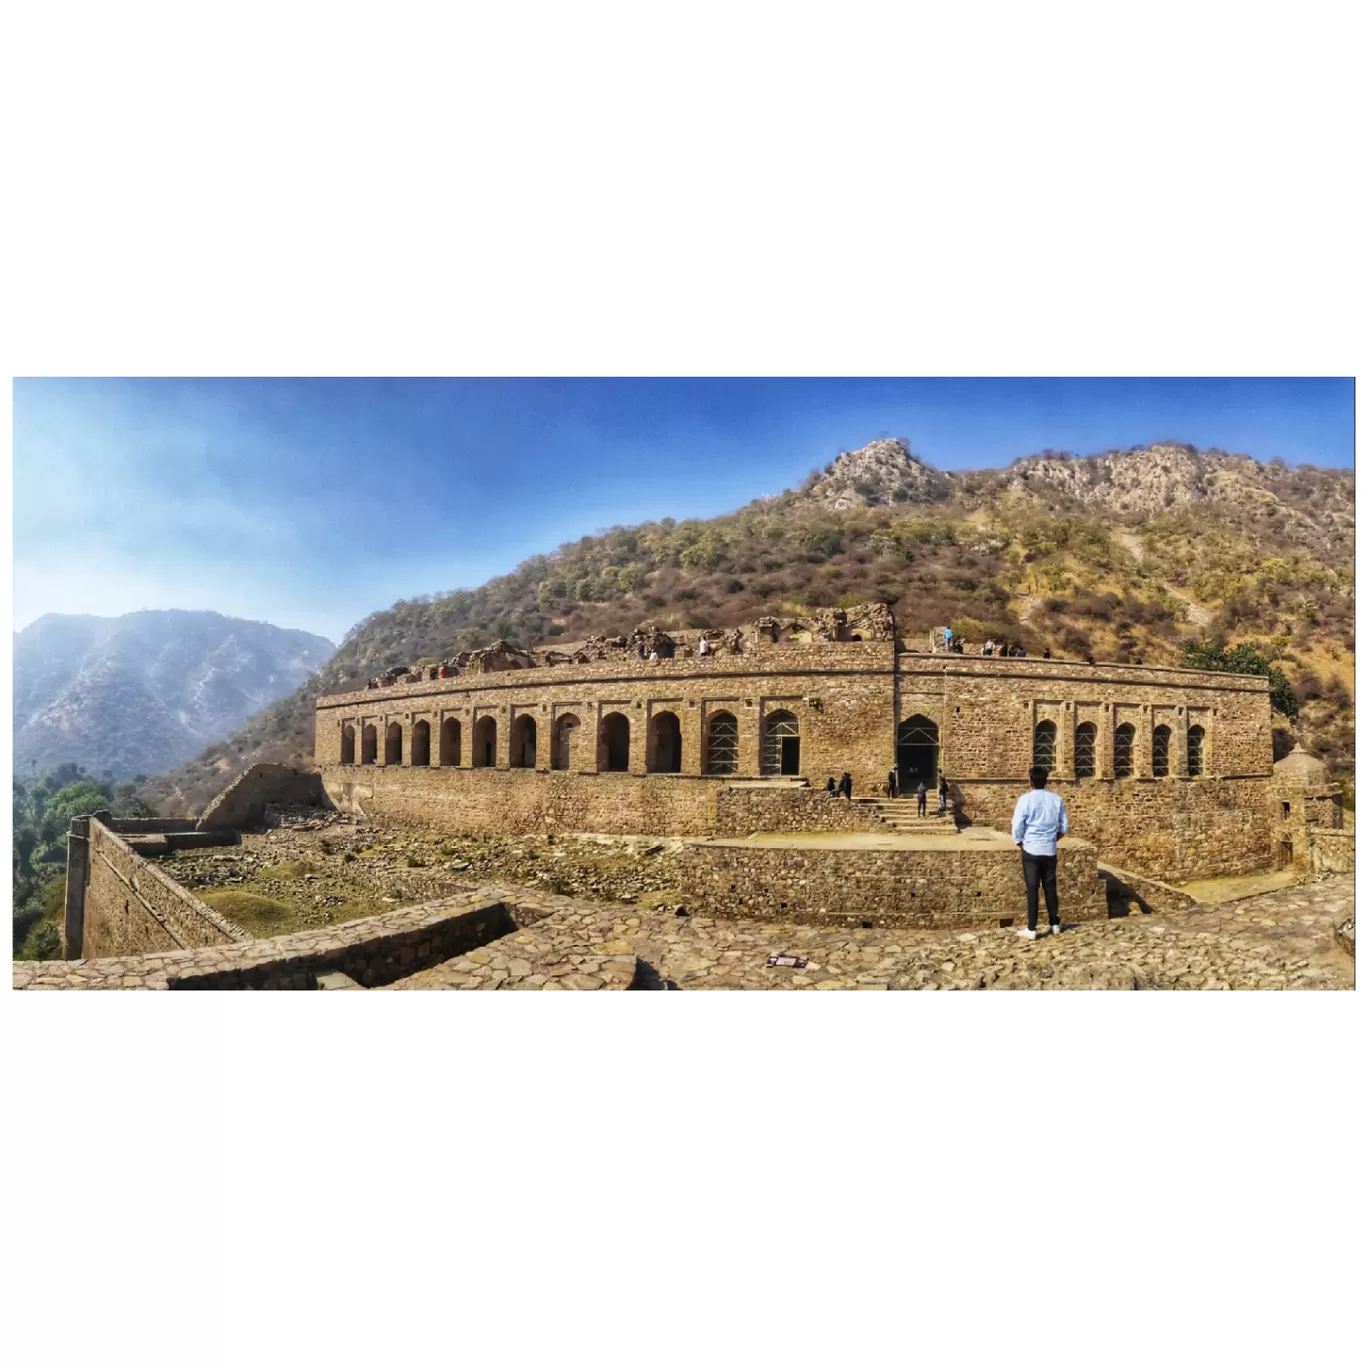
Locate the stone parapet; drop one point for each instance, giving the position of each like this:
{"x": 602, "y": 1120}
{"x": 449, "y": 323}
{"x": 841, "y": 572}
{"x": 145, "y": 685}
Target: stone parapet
{"x": 951, "y": 881}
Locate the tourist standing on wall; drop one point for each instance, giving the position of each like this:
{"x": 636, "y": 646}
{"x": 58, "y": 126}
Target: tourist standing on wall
{"x": 1037, "y": 824}
{"x": 921, "y": 797}
{"x": 949, "y": 637}
{"x": 944, "y": 789}
{"x": 702, "y": 648}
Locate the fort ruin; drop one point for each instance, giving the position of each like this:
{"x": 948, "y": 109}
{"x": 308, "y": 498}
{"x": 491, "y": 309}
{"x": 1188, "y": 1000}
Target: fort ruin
{"x": 725, "y": 740}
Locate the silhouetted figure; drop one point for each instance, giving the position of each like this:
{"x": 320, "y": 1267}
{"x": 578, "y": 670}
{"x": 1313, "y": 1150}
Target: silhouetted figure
{"x": 1045, "y": 654}
{"x": 944, "y": 789}
{"x": 846, "y": 785}
{"x": 892, "y": 783}
{"x": 831, "y": 790}
{"x": 921, "y": 797}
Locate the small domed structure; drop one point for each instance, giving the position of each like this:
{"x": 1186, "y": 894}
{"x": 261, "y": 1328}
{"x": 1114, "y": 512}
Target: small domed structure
{"x": 1300, "y": 767}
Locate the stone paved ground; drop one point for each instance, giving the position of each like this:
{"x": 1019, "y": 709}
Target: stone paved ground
{"x": 1282, "y": 940}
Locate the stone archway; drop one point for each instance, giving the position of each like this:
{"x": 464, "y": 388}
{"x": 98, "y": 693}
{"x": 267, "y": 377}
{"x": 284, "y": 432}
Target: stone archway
{"x": 664, "y": 745}
{"x": 522, "y": 752}
{"x": 615, "y": 734}
{"x": 918, "y": 753}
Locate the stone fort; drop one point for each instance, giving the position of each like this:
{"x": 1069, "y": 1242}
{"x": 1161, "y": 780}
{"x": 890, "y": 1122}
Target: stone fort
{"x": 1167, "y": 772}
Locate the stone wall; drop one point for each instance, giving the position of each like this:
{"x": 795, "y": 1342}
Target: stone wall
{"x": 840, "y": 693}
{"x": 243, "y": 802}
{"x": 1169, "y": 829}
{"x": 1332, "y": 852}
{"x": 972, "y": 885}
{"x": 741, "y": 811}
{"x": 987, "y": 711}
{"x": 495, "y": 802}
{"x": 128, "y": 906}
{"x": 849, "y": 699}
{"x": 373, "y": 951}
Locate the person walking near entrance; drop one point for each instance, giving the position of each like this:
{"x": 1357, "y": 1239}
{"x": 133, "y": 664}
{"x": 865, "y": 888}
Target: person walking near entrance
{"x": 921, "y": 797}
{"x": 943, "y": 788}
{"x": 892, "y": 783}
{"x": 846, "y": 786}
{"x": 1037, "y": 824}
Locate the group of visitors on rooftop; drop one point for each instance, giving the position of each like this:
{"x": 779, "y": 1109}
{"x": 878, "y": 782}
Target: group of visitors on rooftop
{"x": 955, "y": 645}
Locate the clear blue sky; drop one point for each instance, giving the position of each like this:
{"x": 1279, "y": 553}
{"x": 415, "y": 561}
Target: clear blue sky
{"x": 310, "y": 503}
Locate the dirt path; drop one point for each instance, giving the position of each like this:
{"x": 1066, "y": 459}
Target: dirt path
{"x": 1197, "y": 615}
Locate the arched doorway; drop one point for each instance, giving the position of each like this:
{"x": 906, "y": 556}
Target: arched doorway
{"x": 451, "y": 742}
{"x": 421, "y": 750}
{"x": 722, "y": 744}
{"x": 918, "y": 753}
{"x": 394, "y": 744}
{"x": 1043, "y": 752}
{"x": 485, "y": 739}
{"x": 779, "y": 744}
{"x": 563, "y": 741}
{"x": 615, "y": 734}
{"x": 1123, "y": 751}
{"x": 522, "y": 752}
{"x": 1159, "y": 763}
{"x": 664, "y": 746}
{"x": 349, "y": 744}
{"x": 1196, "y": 752}
{"x": 1085, "y": 751}
{"x": 368, "y": 744}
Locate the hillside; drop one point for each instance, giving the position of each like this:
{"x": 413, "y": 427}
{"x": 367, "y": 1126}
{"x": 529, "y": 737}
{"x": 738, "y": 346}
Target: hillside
{"x": 146, "y": 691}
{"x": 1120, "y": 555}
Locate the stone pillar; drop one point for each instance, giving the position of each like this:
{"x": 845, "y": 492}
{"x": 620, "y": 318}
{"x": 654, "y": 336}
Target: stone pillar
{"x": 1064, "y": 754}
{"x": 77, "y": 876}
{"x": 691, "y": 739}
{"x": 1142, "y": 755}
{"x": 636, "y": 740}
{"x": 748, "y": 738}
{"x": 544, "y": 738}
{"x": 1106, "y": 744}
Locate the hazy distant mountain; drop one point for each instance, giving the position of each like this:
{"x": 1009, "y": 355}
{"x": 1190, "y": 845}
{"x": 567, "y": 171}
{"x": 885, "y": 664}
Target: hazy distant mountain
{"x": 146, "y": 691}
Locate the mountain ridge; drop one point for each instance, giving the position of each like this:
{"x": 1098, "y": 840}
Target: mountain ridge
{"x": 145, "y": 690}
{"x": 1044, "y": 550}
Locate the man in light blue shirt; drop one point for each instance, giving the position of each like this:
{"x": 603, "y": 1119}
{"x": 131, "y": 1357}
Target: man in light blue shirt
{"x": 1037, "y": 824}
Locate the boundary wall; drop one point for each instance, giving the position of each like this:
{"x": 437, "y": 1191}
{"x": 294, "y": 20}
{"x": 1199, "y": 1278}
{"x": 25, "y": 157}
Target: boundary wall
{"x": 974, "y": 885}
{"x": 121, "y": 904}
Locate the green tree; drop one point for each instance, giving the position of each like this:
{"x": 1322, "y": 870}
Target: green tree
{"x": 1244, "y": 658}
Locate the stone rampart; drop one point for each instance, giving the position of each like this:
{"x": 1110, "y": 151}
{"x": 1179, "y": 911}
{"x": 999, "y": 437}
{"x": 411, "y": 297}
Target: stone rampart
{"x": 243, "y": 802}
{"x": 127, "y": 906}
{"x": 975, "y": 883}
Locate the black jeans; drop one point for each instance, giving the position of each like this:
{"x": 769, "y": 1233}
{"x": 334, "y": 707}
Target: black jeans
{"x": 921, "y": 805}
{"x": 1040, "y": 870}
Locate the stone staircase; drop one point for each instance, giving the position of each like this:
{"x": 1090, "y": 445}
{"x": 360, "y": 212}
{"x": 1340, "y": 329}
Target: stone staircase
{"x": 901, "y": 815}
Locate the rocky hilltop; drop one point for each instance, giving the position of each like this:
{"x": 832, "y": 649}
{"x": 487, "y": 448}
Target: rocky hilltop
{"x": 884, "y": 472}
{"x": 146, "y": 691}
{"x": 1122, "y": 555}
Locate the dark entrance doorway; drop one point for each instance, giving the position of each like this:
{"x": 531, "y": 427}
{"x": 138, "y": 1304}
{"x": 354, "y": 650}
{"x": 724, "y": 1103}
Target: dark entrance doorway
{"x": 918, "y": 753}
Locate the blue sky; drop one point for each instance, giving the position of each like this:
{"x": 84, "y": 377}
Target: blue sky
{"x": 310, "y": 503}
